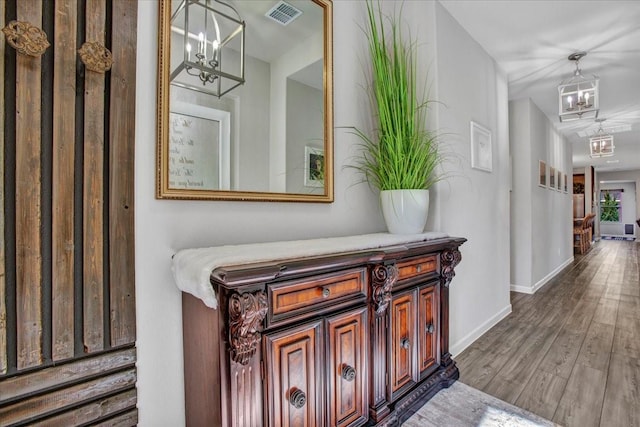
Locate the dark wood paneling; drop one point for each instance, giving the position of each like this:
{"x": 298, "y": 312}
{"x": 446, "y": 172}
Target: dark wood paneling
{"x": 347, "y": 368}
{"x": 127, "y": 419}
{"x": 22, "y": 386}
{"x": 48, "y": 403}
{"x": 92, "y": 411}
{"x": 28, "y": 203}
{"x": 58, "y": 191}
{"x": 64, "y": 93}
{"x": 3, "y": 306}
{"x": 93, "y": 188}
{"x": 121, "y": 178}
{"x": 294, "y": 359}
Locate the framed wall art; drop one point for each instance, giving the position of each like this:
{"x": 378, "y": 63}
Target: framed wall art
{"x": 481, "y": 150}
{"x": 559, "y": 181}
{"x": 542, "y": 174}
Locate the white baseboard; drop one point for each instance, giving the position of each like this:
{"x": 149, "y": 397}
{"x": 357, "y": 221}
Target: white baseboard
{"x": 543, "y": 281}
{"x": 467, "y": 340}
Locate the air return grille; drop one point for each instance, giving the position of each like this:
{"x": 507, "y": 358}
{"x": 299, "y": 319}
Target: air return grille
{"x": 283, "y": 13}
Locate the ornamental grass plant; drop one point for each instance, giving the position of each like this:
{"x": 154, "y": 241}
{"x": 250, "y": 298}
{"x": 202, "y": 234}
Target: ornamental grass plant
{"x": 402, "y": 153}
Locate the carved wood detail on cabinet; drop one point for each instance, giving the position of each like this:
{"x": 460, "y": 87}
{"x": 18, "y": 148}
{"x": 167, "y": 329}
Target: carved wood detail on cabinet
{"x": 346, "y": 340}
{"x": 383, "y": 278}
{"x": 246, "y": 313}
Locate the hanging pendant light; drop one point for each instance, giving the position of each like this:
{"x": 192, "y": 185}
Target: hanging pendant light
{"x": 601, "y": 144}
{"x": 578, "y": 96}
{"x": 209, "y": 39}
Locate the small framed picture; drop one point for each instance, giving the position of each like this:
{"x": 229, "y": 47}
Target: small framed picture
{"x": 542, "y": 174}
{"x": 566, "y": 183}
{"x": 552, "y": 178}
{"x": 313, "y": 167}
{"x": 559, "y": 181}
{"x": 481, "y": 151}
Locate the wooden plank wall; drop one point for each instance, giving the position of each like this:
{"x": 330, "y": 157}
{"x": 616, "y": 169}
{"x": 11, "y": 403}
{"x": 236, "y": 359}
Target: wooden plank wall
{"x": 67, "y": 305}
{"x": 3, "y": 305}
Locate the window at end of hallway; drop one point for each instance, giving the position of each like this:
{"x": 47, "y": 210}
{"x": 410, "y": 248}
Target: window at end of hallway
{"x": 610, "y": 205}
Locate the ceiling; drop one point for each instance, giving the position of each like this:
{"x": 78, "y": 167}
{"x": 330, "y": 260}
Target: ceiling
{"x": 531, "y": 40}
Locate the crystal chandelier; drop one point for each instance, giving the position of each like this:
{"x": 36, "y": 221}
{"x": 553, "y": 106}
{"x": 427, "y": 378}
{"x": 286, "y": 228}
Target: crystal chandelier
{"x": 211, "y": 58}
{"x": 578, "y": 96}
{"x": 601, "y": 144}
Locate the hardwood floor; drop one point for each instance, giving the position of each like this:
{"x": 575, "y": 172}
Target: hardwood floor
{"x": 570, "y": 352}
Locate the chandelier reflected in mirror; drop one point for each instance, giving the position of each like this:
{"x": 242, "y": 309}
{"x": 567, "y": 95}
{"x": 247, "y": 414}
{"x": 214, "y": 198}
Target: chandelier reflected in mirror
{"x": 211, "y": 36}
{"x": 601, "y": 144}
{"x": 578, "y": 96}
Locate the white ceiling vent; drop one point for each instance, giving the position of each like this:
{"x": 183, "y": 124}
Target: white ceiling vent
{"x": 283, "y": 13}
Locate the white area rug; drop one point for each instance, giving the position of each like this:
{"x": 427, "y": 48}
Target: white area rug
{"x": 464, "y": 406}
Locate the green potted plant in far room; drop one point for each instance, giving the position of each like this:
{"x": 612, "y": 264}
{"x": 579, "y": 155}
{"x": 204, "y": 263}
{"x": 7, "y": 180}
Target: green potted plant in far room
{"x": 402, "y": 156}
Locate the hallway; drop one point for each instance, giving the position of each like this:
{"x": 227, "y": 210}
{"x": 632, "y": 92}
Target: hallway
{"x": 571, "y": 352}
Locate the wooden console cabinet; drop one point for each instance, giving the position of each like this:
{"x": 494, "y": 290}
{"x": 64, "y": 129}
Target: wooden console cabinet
{"x": 352, "y": 339}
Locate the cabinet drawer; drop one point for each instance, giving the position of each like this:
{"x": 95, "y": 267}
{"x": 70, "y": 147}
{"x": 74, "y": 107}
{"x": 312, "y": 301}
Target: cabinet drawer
{"x": 294, "y": 297}
{"x": 417, "y": 267}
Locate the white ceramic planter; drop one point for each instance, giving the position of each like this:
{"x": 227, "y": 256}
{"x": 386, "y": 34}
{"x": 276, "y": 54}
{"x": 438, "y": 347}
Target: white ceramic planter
{"x": 405, "y": 211}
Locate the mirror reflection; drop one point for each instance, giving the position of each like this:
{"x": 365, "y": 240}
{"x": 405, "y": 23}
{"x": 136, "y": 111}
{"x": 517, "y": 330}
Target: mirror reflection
{"x": 244, "y": 108}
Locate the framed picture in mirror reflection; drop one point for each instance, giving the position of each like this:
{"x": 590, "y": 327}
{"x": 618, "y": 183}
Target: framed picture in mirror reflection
{"x": 313, "y": 167}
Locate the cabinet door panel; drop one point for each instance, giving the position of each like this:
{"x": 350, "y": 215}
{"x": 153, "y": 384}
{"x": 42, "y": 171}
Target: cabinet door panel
{"x": 402, "y": 340}
{"x": 347, "y": 367}
{"x": 294, "y": 376}
{"x": 428, "y": 328}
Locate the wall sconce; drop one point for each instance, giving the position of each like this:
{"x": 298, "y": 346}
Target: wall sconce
{"x": 209, "y": 45}
{"x": 578, "y": 96}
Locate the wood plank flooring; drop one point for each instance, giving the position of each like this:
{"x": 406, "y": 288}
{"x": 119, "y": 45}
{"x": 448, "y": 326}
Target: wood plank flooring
{"x": 570, "y": 352}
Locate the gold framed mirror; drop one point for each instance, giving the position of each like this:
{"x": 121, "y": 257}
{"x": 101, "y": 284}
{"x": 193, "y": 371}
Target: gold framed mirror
{"x": 245, "y": 100}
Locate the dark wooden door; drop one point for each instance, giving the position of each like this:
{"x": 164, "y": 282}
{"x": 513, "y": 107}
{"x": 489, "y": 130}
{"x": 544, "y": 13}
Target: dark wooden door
{"x": 294, "y": 387}
{"x": 403, "y": 312}
{"x": 428, "y": 329}
{"x": 67, "y": 297}
{"x": 347, "y": 353}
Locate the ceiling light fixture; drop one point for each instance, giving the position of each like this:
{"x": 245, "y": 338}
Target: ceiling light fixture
{"x": 578, "y": 96}
{"x": 216, "y": 35}
{"x": 601, "y": 144}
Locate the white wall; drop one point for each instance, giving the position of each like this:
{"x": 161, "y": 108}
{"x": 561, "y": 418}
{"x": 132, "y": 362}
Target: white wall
{"x": 304, "y": 54}
{"x": 470, "y": 204}
{"x": 165, "y": 226}
{"x": 522, "y": 179}
{"x": 542, "y": 216}
{"x": 473, "y": 203}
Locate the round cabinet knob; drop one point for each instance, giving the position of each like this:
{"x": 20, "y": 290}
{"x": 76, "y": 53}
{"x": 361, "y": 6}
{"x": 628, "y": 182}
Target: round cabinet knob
{"x": 430, "y": 328}
{"x": 405, "y": 343}
{"x": 348, "y": 372}
{"x": 297, "y": 398}
{"x": 326, "y": 292}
